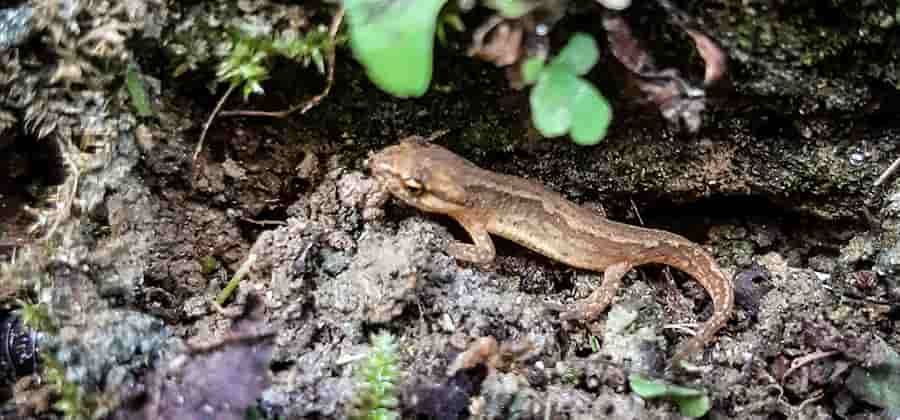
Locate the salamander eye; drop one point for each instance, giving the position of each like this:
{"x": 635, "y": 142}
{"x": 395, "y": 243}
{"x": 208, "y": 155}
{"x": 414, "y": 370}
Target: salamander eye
{"x": 413, "y": 186}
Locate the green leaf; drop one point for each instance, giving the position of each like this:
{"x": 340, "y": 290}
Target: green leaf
{"x": 646, "y": 388}
{"x": 319, "y": 60}
{"x": 562, "y": 102}
{"x": 691, "y": 402}
{"x": 591, "y": 115}
{"x": 551, "y": 101}
{"x": 579, "y": 54}
{"x": 531, "y": 69}
{"x": 510, "y": 9}
{"x": 693, "y": 407}
{"x": 878, "y": 385}
{"x": 394, "y": 41}
{"x": 135, "y": 87}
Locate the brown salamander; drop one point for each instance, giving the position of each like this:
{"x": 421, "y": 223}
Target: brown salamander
{"x": 433, "y": 179}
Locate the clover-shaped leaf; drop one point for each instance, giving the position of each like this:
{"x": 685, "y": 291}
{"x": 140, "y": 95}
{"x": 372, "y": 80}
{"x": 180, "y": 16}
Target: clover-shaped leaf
{"x": 691, "y": 402}
{"x": 579, "y": 54}
{"x": 531, "y": 69}
{"x": 591, "y": 114}
{"x": 551, "y": 101}
{"x": 394, "y": 41}
{"x": 561, "y": 101}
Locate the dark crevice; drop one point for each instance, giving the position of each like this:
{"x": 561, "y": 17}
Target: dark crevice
{"x": 265, "y": 220}
{"x": 30, "y": 168}
{"x": 693, "y": 219}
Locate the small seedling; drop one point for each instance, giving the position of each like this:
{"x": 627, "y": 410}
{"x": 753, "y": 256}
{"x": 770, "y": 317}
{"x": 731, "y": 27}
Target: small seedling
{"x": 236, "y": 279}
{"x": 250, "y": 56}
{"x": 691, "y": 402}
{"x": 74, "y": 403}
{"x": 136, "y": 91}
{"x": 377, "y": 376}
{"x": 595, "y": 344}
{"x": 561, "y": 100}
{"x": 36, "y": 316}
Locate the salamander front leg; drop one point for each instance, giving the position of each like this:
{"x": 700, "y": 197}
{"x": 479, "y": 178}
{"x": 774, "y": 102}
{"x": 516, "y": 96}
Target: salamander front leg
{"x": 481, "y": 252}
{"x": 597, "y": 302}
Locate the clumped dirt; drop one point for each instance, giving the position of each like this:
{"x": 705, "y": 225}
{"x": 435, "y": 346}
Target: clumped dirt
{"x": 331, "y": 269}
{"x": 778, "y": 188}
{"x": 334, "y": 269}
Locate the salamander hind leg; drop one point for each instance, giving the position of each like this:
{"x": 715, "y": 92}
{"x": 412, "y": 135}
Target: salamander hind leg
{"x": 597, "y": 302}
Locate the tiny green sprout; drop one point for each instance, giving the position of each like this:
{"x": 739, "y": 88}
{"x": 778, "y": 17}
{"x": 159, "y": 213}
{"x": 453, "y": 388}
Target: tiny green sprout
{"x": 136, "y": 91}
{"x": 394, "y": 42}
{"x": 246, "y": 65}
{"x": 564, "y": 102}
{"x": 36, "y": 316}
{"x": 691, "y": 402}
{"x": 73, "y": 402}
{"x": 250, "y": 55}
{"x": 377, "y": 377}
{"x": 571, "y": 375}
{"x": 208, "y": 264}
{"x": 595, "y": 344}
{"x": 307, "y": 49}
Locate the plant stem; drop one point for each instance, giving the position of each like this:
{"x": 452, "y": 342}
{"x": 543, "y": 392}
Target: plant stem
{"x": 210, "y": 120}
{"x": 236, "y": 279}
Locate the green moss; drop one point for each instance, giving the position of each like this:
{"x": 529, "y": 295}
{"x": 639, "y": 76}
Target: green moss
{"x": 208, "y": 264}
{"x": 814, "y": 35}
{"x": 377, "y": 377}
{"x": 191, "y": 46}
{"x": 571, "y": 375}
{"x": 72, "y": 400}
{"x": 37, "y": 317}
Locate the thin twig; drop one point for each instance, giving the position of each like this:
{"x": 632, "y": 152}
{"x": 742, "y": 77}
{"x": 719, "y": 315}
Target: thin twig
{"x": 855, "y": 297}
{"x": 799, "y": 409}
{"x": 636, "y": 212}
{"x": 303, "y": 106}
{"x": 236, "y": 279}
{"x": 264, "y": 222}
{"x": 210, "y": 120}
{"x": 231, "y": 339}
{"x": 888, "y": 172}
{"x": 805, "y": 360}
{"x": 680, "y": 327}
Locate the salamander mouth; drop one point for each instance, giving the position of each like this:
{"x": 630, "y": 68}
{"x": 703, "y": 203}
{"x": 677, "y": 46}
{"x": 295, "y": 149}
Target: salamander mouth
{"x": 383, "y": 173}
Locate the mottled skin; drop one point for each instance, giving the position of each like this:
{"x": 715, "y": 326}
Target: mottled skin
{"x": 435, "y": 180}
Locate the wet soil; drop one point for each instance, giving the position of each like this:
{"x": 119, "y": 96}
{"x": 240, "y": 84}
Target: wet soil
{"x": 332, "y": 272}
